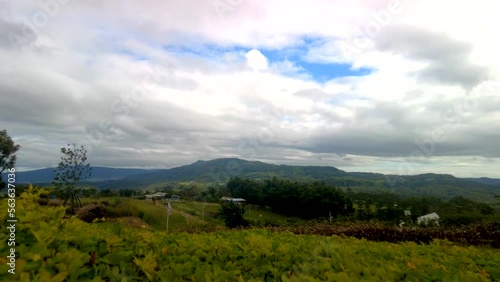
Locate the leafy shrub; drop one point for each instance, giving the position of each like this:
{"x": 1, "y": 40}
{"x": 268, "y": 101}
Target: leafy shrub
{"x": 91, "y": 212}
{"x": 232, "y": 214}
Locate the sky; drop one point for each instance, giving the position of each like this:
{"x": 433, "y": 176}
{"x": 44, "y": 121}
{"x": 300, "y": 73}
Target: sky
{"x": 396, "y": 87}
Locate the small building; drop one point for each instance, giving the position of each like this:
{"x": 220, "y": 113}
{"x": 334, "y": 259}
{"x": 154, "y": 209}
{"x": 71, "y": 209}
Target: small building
{"x": 425, "y": 219}
{"x": 157, "y": 195}
{"x": 407, "y": 213}
{"x": 235, "y": 200}
{"x": 176, "y": 198}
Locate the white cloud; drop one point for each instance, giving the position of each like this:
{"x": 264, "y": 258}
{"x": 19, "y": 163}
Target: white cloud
{"x": 256, "y": 61}
{"x": 214, "y": 89}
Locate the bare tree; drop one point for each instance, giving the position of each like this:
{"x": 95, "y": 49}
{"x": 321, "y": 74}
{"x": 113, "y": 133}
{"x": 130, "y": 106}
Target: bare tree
{"x": 71, "y": 170}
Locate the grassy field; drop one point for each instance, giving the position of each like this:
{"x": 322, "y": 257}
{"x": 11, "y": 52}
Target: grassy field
{"x": 263, "y": 217}
{"x": 153, "y": 214}
{"x": 204, "y": 211}
{"x": 257, "y": 217}
{"x": 53, "y": 247}
{"x": 187, "y": 214}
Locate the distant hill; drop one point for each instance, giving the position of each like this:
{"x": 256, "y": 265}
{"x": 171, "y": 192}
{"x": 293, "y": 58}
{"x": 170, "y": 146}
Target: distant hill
{"x": 46, "y": 175}
{"x": 486, "y": 180}
{"x": 219, "y": 171}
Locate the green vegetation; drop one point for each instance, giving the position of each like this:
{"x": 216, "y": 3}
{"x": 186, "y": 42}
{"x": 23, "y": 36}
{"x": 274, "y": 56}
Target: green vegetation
{"x": 258, "y": 216}
{"x": 318, "y": 200}
{"x": 53, "y": 248}
{"x": 7, "y": 154}
{"x": 305, "y": 200}
{"x": 232, "y": 214}
{"x": 204, "y": 211}
{"x": 153, "y": 214}
{"x": 216, "y": 173}
{"x": 211, "y": 177}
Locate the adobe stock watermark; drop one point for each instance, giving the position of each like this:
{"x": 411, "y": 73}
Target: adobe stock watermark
{"x": 11, "y": 220}
{"x": 123, "y": 105}
{"x": 426, "y": 147}
{"x": 5, "y": 10}
{"x": 372, "y": 28}
{"x": 223, "y": 7}
{"x": 249, "y": 148}
{"x": 32, "y": 25}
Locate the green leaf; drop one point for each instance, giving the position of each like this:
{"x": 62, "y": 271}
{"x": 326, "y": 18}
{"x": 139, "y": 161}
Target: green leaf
{"x": 59, "y": 277}
{"x": 58, "y": 214}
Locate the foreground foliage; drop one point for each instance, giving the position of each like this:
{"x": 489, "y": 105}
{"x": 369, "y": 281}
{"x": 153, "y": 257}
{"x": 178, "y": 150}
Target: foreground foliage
{"x": 53, "y": 248}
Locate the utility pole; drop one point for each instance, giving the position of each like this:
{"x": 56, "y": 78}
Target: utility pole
{"x": 169, "y": 211}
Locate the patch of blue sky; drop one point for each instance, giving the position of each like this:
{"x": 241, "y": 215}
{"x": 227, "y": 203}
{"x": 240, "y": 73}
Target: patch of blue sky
{"x": 320, "y": 72}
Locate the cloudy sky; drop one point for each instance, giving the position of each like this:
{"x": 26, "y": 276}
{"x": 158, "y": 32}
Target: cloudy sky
{"x": 400, "y": 87}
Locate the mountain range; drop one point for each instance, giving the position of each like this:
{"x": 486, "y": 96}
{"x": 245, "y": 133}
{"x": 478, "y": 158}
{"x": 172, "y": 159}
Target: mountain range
{"x": 46, "y": 175}
{"x": 219, "y": 171}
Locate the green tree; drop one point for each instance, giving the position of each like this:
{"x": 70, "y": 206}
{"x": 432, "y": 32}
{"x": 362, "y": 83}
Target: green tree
{"x": 71, "y": 170}
{"x": 191, "y": 192}
{"x": 232, "y": 214}
{"x": 89, "y": 192}
{"x": 106, "y": 193}
{"x": 7, "y": 154}
{"x": 126, "y": 192}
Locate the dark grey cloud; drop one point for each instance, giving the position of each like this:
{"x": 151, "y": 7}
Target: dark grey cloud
{"x": 384, "y": 142}
{"x": 37, "y": 99}
{"x": 447, "y": 58}
{"x": 393, "y": 129}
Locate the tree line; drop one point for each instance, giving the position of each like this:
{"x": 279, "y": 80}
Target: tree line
{"x": 305, "y": 200}
{"x": 320, "y": 200}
